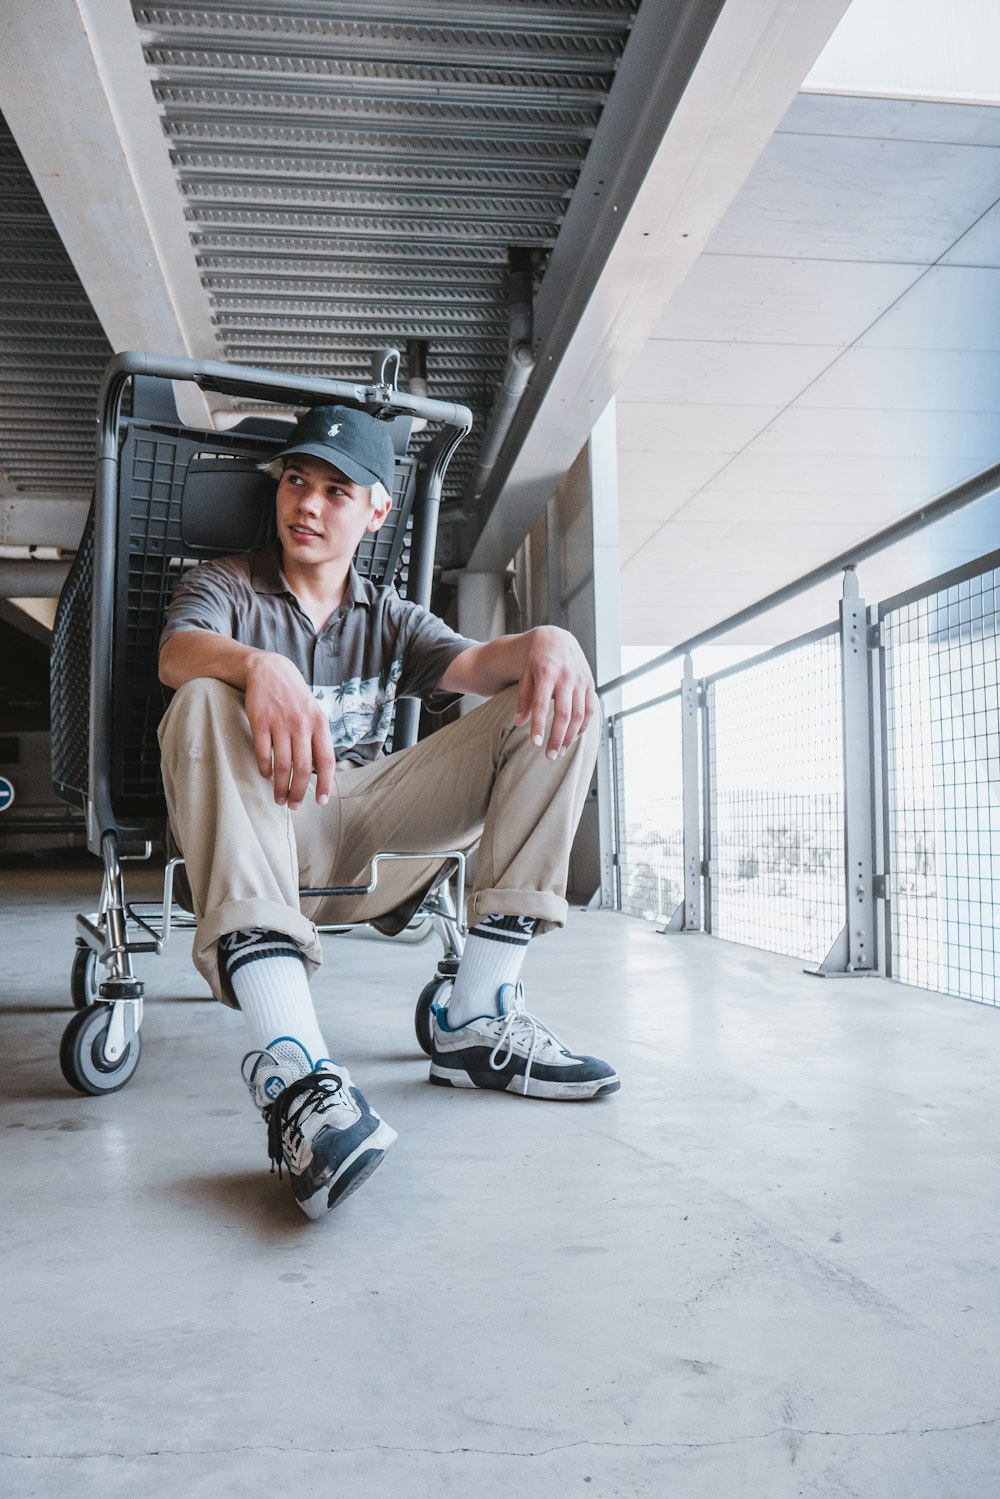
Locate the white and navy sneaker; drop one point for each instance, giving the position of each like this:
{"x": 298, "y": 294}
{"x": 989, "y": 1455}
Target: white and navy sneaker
{"x": 513, "y": 1052}
{"x": 319, "y": 1124}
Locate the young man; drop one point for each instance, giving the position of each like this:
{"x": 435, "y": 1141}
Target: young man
{"x": 286, "y": 665}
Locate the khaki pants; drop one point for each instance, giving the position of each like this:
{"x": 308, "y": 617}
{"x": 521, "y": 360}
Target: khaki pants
{"x": 478, "y": 779}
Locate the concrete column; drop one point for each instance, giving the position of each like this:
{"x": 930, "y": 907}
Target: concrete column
{"x": 603, "y": 450}
{"x": 597, "y": 831}
{"x": 481, "y": 613}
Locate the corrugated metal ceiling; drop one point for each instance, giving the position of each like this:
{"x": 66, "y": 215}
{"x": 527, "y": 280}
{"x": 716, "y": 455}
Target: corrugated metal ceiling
{"x": 353, "y": 175}
{"x": 52, "y": 348}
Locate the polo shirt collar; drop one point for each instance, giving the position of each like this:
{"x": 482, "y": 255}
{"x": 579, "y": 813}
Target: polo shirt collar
{"x": 266, "y": 577}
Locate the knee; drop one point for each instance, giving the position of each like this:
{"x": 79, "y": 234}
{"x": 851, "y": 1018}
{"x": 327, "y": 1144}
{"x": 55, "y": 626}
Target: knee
{"x": 506, "y": 702}
{"x": 205, "y": 689}
{"x": 203, "y": 702}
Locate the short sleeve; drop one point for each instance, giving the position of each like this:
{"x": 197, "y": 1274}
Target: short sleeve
{"x": 429, "y": 648}
{"x": 204, "y": 599}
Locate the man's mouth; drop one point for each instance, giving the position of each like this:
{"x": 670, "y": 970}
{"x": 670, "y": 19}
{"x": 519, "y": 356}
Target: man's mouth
{"x": 302, "y": 531}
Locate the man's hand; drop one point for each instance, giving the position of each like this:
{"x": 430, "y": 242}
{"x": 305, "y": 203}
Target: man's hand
{"x": 555, "y": 675}
{"x": 551, "y": 672}
{"x": 291, "y": 732}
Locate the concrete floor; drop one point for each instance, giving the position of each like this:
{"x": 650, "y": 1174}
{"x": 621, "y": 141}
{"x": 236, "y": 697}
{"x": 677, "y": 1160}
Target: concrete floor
{"x": 767, "y": 1268}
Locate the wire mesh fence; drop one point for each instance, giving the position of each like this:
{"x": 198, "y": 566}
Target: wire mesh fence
{"x": 774, "y": 825}
{"x": 775, "y": 812}
{"x": 649, "y": 813}
{"x": 942, "y": 780}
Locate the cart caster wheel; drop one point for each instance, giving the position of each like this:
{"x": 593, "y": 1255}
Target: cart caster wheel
{"x": 81, "y": 1055}
{"x": 429, "y": 994}
{"x": 84, "y": 979}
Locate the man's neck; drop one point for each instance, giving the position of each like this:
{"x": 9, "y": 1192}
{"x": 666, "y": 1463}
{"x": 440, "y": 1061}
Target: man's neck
{"x": 320, "y": 590}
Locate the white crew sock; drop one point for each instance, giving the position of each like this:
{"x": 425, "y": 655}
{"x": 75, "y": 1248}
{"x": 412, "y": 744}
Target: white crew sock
{"x": 267, "y": 975}
{"x": 494, "y": 952}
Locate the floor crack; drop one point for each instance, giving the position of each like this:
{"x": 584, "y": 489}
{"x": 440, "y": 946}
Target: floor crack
{"x": 680, "y": 1446}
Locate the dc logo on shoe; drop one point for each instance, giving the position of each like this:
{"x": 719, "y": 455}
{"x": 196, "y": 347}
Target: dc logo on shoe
{"x": 273, "y": 1087}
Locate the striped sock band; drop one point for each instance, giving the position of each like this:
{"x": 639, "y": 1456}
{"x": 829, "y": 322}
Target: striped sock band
{"x": 267, "y": 975}
{"x": 237, "y": 949}
{"x": 494, "y": 952}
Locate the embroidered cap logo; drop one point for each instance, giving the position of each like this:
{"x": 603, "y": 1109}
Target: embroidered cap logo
{"x": 332, "y": 432}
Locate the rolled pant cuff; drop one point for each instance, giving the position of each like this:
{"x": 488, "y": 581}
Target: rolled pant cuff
{"x": 548, "y": 910}
{"x": 240, "y": 916}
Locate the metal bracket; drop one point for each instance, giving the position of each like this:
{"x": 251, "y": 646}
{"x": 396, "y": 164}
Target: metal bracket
{"x": 836, "y": 960}
{"x": 675, "y": 924}
{"x": 837, "y": 963}
{"x": 381, "y": 360}
{"x": 126, "y": 1018}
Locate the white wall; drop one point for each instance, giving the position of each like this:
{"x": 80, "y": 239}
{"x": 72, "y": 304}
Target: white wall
{"x": 915, "y": 48}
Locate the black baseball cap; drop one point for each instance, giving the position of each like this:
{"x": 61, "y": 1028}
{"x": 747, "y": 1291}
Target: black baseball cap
{"x": 356, "y": 443}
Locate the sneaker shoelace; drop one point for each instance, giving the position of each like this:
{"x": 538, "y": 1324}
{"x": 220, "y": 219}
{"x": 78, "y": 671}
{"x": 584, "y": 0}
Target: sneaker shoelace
{"x": 316, "y": 1093}
{"x": 519, "y": 1026}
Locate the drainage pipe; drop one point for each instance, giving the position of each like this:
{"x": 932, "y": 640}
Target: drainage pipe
{"x": 517, "y": 371}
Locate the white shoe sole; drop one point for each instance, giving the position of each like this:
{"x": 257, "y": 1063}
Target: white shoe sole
{"x": 454, "y": 1077}
{"x": 353, "y": 1172}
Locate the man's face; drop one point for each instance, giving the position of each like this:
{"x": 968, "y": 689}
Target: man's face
{"x": 321, "y": 514}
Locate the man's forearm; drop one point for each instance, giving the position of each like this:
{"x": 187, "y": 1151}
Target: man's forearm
{"x": 488, "y": 668}
{"x": 202, "y": 653}
{"x": 552, "y": 675}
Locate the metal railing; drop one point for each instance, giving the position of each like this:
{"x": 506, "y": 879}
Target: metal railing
{"x": 836, "y": 799}
{"x": 941, "y": 772}
{"x": 649, "y": 809}
{"x": 774, "y": 810}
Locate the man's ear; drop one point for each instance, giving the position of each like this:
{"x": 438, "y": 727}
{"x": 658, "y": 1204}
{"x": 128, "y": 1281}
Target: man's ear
{"x": 379, "y": 512}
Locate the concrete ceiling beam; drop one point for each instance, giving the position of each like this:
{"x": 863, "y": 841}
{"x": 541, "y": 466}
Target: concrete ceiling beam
{"x": 76, "y": 96}
{"x": 701, "y": 87}
{"x": 42, "y": 520}
{"x": 32, "y": 580}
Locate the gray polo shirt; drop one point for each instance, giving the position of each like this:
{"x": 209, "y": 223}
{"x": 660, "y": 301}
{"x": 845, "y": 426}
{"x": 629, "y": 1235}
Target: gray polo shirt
{"x": 374, "y": 648}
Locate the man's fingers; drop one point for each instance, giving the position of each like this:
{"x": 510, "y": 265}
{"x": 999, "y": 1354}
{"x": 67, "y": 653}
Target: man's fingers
{"x": 325, "y": 763}
{"x": 590, "y": 709}
{"x": 561, "y": 713}
{"x": 541, "y": 702}
{"x": 525, "y": 690}
{"x": 302, "y": 768}
{"x": 289, "y": 750}
{"x": 575, "y": 719}
{"x": 263, "y": 749}
{"x": 282, "y": 755}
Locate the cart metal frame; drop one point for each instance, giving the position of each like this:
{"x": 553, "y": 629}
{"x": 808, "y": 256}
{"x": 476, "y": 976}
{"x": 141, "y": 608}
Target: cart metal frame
{"x": 101, "y": 1046}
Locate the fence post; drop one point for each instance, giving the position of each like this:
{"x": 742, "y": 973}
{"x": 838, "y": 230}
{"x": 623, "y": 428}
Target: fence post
{"x": 855, "y": 949}
{"x": 882, "y": 954}
{"x": 707, "y": 797}
{"x": 609, "y": 894}
{"x": 687, "y": 917}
